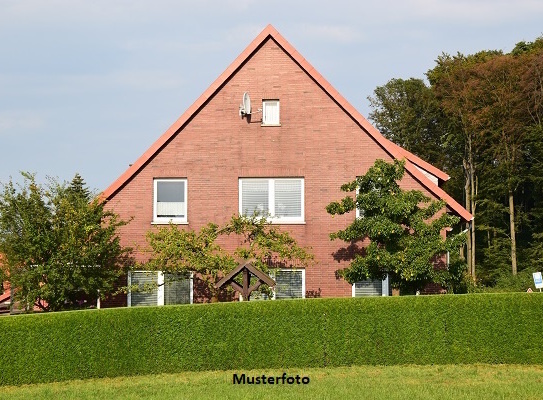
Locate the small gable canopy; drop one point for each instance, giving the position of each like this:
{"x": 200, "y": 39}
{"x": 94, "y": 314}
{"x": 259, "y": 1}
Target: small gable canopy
{"x": 247, "y": 269}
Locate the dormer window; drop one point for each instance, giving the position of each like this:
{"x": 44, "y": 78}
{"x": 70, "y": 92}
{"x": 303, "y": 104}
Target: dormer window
{"x": 270, "y": 112}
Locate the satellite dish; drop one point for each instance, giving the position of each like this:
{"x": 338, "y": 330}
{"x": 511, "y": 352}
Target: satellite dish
{"x": 245, "y": 106}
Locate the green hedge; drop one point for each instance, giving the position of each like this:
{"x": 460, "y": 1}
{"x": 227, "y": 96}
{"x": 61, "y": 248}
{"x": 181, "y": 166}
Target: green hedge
{"x": 480, "y": 328}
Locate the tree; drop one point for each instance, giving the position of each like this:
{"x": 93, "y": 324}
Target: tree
{"x": 407, "y": 113}
{"x": 452, "y": 82}
{"x": 178, "y": 252}
{"x": 266, "y": 243}
{"x": 490, "y": 114}
{"x": 503, "y": 120}
{"x": 502, "y": 100}
{"x": 404, "y": 238}
{"x": 60, "y": 246}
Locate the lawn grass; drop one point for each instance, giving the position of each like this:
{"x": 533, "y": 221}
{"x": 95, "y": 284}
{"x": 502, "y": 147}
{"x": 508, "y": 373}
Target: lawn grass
{"x": 477, "y": 381}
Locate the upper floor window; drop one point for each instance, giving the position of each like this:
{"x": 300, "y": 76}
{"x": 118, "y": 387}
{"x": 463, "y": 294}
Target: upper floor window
{"x": 282, "y": 199}
{"x": 170, "y": 201}
{"x": 270, "y": 112}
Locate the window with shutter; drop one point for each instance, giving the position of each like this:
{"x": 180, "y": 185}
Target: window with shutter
{"x": 270, "y": 112}
{"x": 373, "y": 287}
{"x": 254, "y": 197}
{"x": 170, "y": 201}
{"x": 289, "y": 284}
{"x": 157, "y": 289}
{"x": 177, "y": 289}
{"x": 281, "y": 199}
{"x": 288, "y": 198}
{"x": 144, "y": 280}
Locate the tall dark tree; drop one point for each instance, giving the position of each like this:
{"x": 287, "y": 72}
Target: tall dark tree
{"x": 452, "y": 81}
{"x": 406, "y": 112}
{"x": 492, "y": 133}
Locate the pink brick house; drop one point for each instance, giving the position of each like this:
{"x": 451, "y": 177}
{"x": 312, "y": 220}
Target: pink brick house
{"x": 289, "y": 157}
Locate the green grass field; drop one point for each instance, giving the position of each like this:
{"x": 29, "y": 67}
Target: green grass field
{"x": 366, "y": 382}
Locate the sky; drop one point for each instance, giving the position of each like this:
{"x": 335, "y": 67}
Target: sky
{"x": 87, "y": 86}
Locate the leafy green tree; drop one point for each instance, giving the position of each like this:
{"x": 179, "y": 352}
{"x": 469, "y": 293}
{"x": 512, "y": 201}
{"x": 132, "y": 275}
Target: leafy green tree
{"x": 266, "y": 243}
{"x": 406, "y": 112}
{"x": 405, "y": 239}
{"x": 59, "y": 246}
{"x": 505, "y": 104}
{"x": 178, "y": 252}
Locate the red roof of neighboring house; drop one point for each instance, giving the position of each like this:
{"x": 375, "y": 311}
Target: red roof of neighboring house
{"x": 5, "y": 296}
{"x": 6, "y": 288}
{"x": 270, "y": 32}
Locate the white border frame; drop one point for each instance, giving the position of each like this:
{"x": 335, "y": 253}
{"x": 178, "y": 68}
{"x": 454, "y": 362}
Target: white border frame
{"x": 166, "y": 220}
{"x": 271, "y": 200}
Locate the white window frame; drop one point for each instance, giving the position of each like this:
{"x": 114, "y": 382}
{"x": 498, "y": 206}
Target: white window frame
{"x": 271, "y": 200}
{"x": 167, "y": 220}
{"x": 272, "y": 275}
{"x": 385, "y": 288}
{"x": 160, "y": 288}
{"x": 357, "y": 210}
{"x": 268, "y": 103}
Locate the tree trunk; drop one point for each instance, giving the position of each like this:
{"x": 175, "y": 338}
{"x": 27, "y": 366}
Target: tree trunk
{"x": 470, "y": 188}
{"x": 468, "y": 206}
{"x": 472, "y": 225}
{"x": 512, "y": 228}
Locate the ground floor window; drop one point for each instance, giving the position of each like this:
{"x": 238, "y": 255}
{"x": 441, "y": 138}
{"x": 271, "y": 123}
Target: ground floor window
{"x": 289, "y": 284}
{"x": 157, "y": 289}
{"x": 375, "y": 287}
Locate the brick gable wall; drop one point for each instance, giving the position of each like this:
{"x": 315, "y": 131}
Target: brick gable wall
{"x": 317, "y": 140}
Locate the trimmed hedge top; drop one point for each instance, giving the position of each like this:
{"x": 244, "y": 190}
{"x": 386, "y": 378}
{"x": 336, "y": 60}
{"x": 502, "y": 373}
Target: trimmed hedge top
{"x": 482, "y": 328}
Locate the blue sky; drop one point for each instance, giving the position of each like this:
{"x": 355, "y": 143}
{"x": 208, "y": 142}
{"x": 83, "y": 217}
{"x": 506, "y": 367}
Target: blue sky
{"x": 88, "y": 86}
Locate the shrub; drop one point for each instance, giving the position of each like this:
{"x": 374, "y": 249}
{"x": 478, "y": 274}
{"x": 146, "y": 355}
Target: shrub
{"x": 479, "y": 328}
